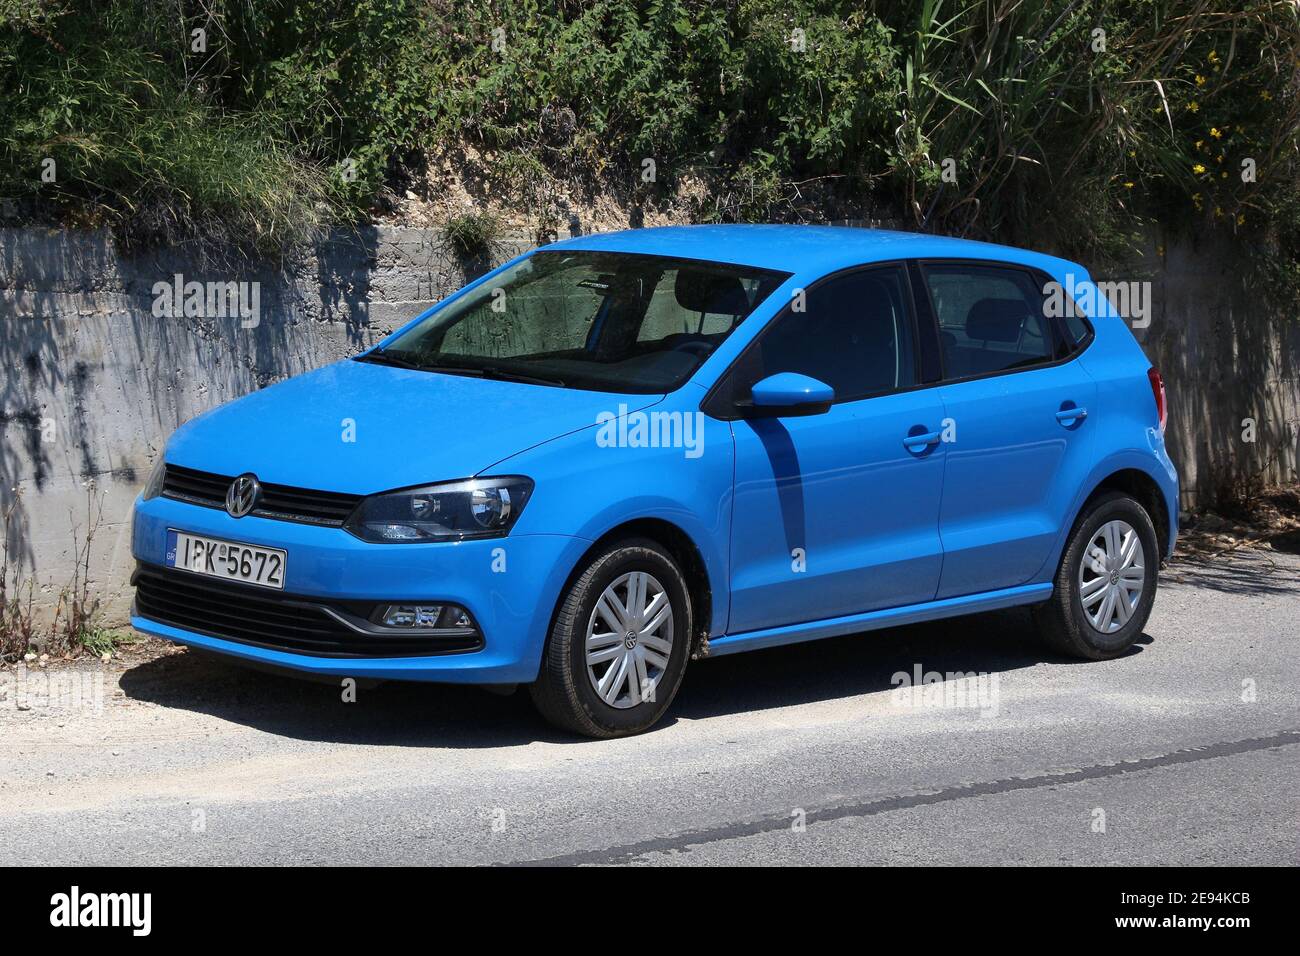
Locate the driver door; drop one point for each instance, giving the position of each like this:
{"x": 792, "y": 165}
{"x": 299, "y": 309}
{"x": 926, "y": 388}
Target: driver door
{"x": 834, "y": 514}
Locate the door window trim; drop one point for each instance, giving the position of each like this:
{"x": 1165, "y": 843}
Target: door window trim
{"x": 1055, "y": 323}
{"x": 720, "y": 402}
{"x": 1063, "y": 329}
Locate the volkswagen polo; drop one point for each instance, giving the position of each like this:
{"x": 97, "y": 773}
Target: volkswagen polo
{"x": 620, "y": 453}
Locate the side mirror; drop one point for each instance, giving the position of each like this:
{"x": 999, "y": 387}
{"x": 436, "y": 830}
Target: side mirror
{"x": 787, "y": 394}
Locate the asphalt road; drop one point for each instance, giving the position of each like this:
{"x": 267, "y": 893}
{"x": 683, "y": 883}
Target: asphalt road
{"x": 1187, "y": 751}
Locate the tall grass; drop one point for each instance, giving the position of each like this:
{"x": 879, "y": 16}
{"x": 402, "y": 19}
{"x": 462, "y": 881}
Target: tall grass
{"x": 1078, "y": 119}
{"x": 100, "y": 119}
{"x": 1083, "y": 118}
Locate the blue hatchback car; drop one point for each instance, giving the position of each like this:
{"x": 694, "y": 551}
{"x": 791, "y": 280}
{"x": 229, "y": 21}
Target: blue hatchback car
{"x": 623, "y": 452}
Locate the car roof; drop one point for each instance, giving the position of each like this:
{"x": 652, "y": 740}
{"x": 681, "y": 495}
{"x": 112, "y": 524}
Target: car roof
{"x": 804, "y": 249}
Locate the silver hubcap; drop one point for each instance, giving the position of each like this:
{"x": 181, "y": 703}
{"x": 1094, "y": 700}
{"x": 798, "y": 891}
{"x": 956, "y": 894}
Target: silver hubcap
{"x": 1111, "y": 576}
{"x": 629, "y": 640}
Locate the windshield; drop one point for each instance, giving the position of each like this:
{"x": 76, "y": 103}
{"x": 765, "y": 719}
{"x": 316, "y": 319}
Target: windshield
{"x": 595, "y": 320}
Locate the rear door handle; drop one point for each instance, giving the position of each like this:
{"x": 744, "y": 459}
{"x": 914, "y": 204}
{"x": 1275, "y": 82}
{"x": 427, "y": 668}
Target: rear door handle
{"x": 1067, "y": 416}
{"x": 921, "y": 442}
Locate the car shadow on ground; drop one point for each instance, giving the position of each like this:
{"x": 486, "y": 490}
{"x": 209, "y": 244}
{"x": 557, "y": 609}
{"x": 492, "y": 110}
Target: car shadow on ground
{"x": 404, "y": 714}
{"x": 993, "y": 643}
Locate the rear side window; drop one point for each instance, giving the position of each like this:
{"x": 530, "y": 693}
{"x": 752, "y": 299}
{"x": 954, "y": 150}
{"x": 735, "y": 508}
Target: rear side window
{"x": 1076, "y": 326}
{"x": 990, "y": 319}
{"x": 854, "y": 334}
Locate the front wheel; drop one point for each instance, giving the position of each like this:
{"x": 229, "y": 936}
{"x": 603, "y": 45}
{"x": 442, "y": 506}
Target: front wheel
{"x": 1106, "y": 584}
{"x": 619, "y": 643}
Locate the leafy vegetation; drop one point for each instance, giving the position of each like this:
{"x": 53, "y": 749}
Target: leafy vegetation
{"x": 473, "y": 234}
{"x": 106, "y": 118}
{"x": 1066, "y": 121}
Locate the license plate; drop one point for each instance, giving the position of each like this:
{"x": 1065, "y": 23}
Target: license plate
{"x": 226, "y": 559}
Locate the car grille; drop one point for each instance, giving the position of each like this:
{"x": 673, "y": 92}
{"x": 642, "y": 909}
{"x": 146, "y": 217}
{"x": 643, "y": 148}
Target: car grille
{"x": 281, "y": 502}
{"x": 248, "y": 614}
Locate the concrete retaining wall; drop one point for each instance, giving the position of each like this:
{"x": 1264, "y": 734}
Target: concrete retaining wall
{"x": 1225, "y": 360}
{"x": 93, "y": 382}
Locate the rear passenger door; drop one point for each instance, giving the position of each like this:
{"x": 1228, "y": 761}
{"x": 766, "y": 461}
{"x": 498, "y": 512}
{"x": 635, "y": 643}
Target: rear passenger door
{"x": 1020, "y": 411}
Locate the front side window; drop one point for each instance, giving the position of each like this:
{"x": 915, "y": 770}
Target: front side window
{"x": 594, "y": 320}
{"x": 990, "y": 319}
{"x": 854, "y": 333}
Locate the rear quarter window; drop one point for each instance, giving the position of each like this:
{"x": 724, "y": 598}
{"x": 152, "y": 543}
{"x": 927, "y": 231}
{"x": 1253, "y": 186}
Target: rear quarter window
{"x": 991, "y": 319}
{"x": 1077, "y": 329}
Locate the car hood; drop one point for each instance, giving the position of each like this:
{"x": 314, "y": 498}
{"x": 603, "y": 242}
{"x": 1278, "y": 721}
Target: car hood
{"x": 406, "y": 427}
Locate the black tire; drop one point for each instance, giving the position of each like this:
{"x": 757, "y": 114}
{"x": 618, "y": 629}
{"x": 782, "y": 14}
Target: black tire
{"x": 1062, "y": 621}
{"x": 563, "y": 691}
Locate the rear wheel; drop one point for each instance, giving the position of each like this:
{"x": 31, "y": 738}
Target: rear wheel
{"x": 1106, "y": 583}
{"x": 619, "y": 644}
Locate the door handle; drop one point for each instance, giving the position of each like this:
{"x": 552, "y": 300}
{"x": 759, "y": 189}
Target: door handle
{"x": 1067, "y": 416}
{"x": 921, "y": 442}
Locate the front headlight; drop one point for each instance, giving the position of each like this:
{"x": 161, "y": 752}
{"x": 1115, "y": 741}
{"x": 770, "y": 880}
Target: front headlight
{"x": 153, "y": 486}
{"x": 451, "y": 511}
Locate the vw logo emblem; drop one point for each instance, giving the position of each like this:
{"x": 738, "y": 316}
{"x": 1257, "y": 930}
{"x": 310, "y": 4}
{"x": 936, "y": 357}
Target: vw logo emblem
{"x": 242, "y": 495}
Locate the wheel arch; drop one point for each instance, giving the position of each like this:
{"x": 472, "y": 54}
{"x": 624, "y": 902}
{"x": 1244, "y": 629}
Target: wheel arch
{"x": 1142, "y": 488}
{"x": 683, "y": 549}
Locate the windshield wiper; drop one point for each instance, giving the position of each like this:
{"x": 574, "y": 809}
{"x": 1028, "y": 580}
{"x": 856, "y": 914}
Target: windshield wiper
{"x": 385, "y": 357}
{"x": 382, "y": 357}
{"x": 510, "y": 375}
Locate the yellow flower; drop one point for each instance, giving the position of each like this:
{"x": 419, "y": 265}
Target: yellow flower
{"x": 1196, "y": 197}
{"x": 1194, "y": 106}
{"x": 1128, "y": 185}
{"x": 1213, "y": 57}
{"x": 1220, "y": 159}
{"x": 1223, "y": 175}
{"x": 1218, "y": 212}
{"x": 1198, "y": 169}
{"x": 1241, "y": 218}
{"x": 1216, "y": 132}
{"x": 1132, "y": 154}
{"x": 1200, "y": 143}
{"x": 1265, "y": 95}
{"x": 1200, "y": 80}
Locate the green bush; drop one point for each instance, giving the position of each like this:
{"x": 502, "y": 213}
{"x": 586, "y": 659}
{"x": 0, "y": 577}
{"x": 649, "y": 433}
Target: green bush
{"x": 304, "y": 111}
{"x": 100, "y": 117}
{"x": 474, "y": 234}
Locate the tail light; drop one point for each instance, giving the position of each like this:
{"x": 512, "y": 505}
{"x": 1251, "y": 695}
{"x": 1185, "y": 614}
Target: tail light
{"x": 1158, "y": 390}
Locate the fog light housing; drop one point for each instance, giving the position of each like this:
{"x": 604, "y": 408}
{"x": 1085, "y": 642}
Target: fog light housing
{"x": 406, "y": 617}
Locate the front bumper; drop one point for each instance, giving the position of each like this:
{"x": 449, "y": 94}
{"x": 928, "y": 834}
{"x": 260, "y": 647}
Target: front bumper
{"x": 509, "y": 585}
